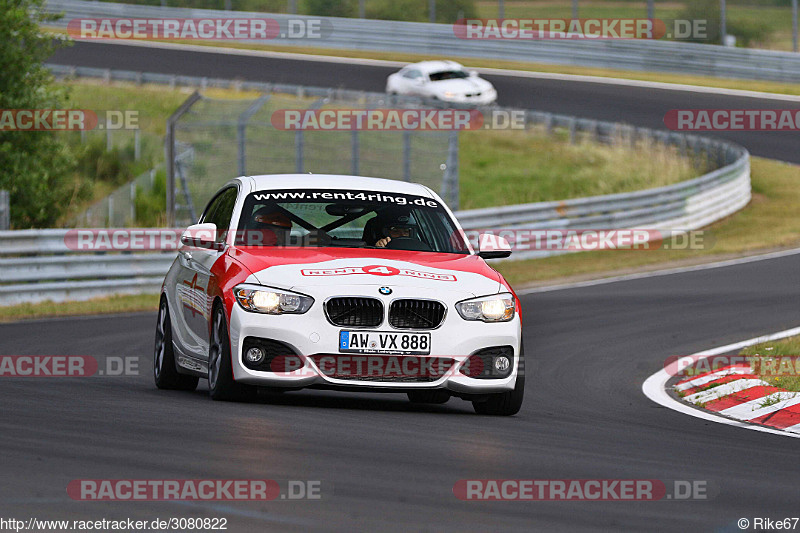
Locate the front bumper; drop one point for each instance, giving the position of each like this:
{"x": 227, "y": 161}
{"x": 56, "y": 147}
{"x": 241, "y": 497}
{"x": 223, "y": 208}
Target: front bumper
{"x": 486, "y": 98}
{"x": 311, "y": 333}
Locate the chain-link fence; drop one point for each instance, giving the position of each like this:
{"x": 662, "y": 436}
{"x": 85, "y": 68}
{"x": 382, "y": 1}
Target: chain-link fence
{"x": 213, "y": 141}
{"x": 118, "y": 209}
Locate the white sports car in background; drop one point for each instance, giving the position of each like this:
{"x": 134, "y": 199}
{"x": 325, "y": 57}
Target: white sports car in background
{"x": 442, "y": 80}
{"x": 294, "y": 281}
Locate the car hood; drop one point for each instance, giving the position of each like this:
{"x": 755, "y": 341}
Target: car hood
{"x": 304, "y": 268}
{"x": 461, "y": 85}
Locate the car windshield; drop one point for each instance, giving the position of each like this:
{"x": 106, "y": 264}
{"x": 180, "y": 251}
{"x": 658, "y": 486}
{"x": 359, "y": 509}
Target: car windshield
{"x": 350, "y": 219}
{"x": 448, "y": 75}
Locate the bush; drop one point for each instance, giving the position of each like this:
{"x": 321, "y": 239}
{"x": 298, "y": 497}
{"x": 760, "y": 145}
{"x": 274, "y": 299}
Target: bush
{"x": 330, "y": 8}
{"x": 417, "y": 10}
{"x": 35, "y": 166}
{"x": 151, "y": 206}
{"x": 709, "y": 11}
{"x": 749, "y": 31}
{"x": 115, "y": 167}
{"x": 746, "y": 30}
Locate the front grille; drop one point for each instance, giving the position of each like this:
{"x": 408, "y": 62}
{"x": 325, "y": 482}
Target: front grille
{"x": 416, "y": 314}
{"x": 383, "y": 368}
{"x": 354, "y": 312}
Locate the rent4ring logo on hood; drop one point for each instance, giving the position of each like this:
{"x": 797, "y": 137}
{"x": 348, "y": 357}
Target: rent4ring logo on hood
{"x": 377, "y": 270}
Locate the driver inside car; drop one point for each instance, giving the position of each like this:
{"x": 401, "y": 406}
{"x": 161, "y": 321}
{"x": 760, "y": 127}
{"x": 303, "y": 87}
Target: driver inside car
{"x": 381, "y": 229}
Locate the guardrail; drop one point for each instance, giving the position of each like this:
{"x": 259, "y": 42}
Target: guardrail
{"x": 440, "y": 40}
{"x": 37, "y": 265}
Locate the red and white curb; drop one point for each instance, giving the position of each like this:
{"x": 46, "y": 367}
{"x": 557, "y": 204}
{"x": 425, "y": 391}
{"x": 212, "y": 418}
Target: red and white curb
{"x": 732, "y": 395}
{"x": 732, "y": 391}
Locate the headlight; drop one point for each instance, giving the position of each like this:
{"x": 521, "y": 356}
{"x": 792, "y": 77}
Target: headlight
{"x": 448, "y": 94}
{"x": 495, "y": 308}
{"x": 271, "y": 301}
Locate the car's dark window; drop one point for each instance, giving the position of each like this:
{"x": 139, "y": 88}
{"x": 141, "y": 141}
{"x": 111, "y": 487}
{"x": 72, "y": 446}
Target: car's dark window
{"x": 448, "y": 75}
{"x": 350, "y": 219}
{"x": 220, "y": 211}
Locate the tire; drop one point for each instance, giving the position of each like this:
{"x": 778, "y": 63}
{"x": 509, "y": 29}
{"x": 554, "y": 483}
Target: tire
{"x": 438, "y": 396}
{"x": 221, "y": 385}
{"x": 505, "y": 403}
{"x": 165, "y": 371}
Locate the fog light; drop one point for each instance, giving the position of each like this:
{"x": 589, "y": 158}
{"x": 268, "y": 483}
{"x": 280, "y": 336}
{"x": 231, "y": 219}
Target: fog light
{"x": 502, "y": 363}
{"x": 255, "y": 355}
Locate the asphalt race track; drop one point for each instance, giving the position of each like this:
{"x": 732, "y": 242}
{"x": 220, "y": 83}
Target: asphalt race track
{"x": 386, "y": 464}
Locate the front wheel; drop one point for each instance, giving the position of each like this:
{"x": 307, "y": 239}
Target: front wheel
{"x": 505, "y": 403}
{"x": 221, "y": 385}
{"x": 164, "y": 370}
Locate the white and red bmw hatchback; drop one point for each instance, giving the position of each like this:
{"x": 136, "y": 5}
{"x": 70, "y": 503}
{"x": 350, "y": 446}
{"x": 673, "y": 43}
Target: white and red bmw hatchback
{"x": 350, "y": 283}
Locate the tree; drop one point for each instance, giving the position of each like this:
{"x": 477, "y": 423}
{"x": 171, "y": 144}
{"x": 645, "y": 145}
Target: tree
{"x": 35, "y": 166}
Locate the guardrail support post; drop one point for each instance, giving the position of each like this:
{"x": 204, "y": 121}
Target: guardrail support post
{"x": 354, "y": 153}
{"x": 723, "y": 22}
{"x": 133, "y": 201}
{"x": 137, "y": 145}
{"x": 299, "y": 141}
{"x": 5, "y": 211}
{"x": 407, "y": 155}
{"x": 450, "y": 183}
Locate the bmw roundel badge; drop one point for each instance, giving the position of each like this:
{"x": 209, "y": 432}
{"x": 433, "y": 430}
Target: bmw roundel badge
{"x": 385, "y": 290}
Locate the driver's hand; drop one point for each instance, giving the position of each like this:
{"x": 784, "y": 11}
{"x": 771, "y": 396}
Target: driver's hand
{"x": 383, "y": 242}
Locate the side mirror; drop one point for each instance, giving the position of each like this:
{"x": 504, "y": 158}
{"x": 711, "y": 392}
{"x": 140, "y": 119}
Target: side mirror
{"x": 473, "y": 73}
{"x": 201, "y": 236}
{"x": 493, "y": 247}
{"x": 419, "y": 81}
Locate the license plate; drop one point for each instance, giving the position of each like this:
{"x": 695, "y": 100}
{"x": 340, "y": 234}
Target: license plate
{"x": 384, "y": 342}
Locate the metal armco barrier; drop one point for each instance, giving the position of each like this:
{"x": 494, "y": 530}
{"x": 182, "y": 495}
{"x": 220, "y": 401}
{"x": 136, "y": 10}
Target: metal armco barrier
{"x": 440, "y": 40}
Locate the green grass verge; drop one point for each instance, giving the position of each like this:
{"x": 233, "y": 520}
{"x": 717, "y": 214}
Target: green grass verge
{"x": 770, "y": 221}
{"x": 513, "y": 167}
{"x": 784, "y": 347}
{"x": 128, "y": 303}
{"x": 776, "y": 21}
